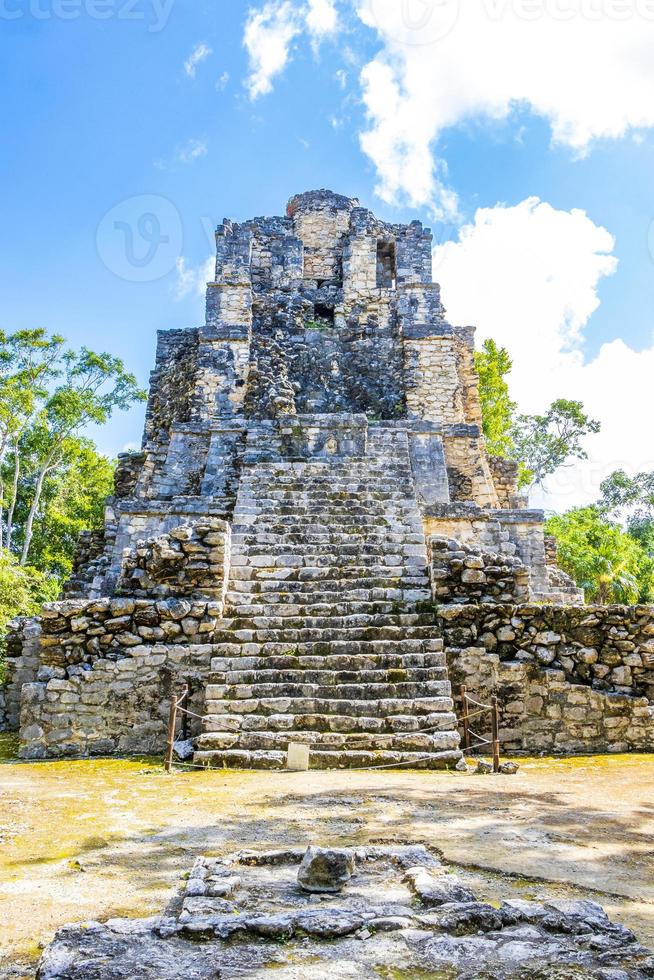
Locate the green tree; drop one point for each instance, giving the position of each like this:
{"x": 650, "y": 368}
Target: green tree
{"x": 543, "y": 443}
{"x": 605, "y": 561}
{"x": 72, "y": 500}
{"x": 631, "y": 498}
{"x": 91, "y": 388}
{"x": 23, "y": 590}
{"x": 493, "y": 364}
{"x": 28, "y": 364}
{"x": 540, "y": 444}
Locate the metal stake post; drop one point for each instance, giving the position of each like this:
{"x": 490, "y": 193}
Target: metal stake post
{"x": 170, "y": 744}
{"x": 464, "y": 717}
{"x": 495, "y": 722}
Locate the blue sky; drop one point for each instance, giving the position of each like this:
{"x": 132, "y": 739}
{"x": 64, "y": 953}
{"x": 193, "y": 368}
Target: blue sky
{"x": 158, "y": 108}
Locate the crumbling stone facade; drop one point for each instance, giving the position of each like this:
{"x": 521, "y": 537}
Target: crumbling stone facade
{"x": 269, "y": 543}
{"x": 570, "y": 678}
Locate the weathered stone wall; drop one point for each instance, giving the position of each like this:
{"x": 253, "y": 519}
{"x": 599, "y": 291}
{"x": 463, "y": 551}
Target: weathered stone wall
{"x": 78, "y": 631}
{"x": 102, "y": 672}
{"x": 505, "y": 478}
{"x": 171, "y": 383}
{"x": 569, "y": 679}
{"x": 467, "y": 468}
{"x": 113, "y": 706}
{"x": 507, "y": 532}
{"x": 466, "y": 574}
{"x": 191, "y": 559}
{"x": 22, "y": 665}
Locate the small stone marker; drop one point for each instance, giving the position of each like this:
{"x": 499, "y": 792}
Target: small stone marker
{"x": 297, "y": 758}
{"x": 325, "y": 870}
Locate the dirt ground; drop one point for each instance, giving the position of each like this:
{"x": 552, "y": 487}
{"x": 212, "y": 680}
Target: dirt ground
{"x": 95, "y": 839}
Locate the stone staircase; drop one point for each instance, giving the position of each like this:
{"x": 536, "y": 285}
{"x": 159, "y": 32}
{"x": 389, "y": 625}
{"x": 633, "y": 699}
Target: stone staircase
{"x": 324, "y": 641}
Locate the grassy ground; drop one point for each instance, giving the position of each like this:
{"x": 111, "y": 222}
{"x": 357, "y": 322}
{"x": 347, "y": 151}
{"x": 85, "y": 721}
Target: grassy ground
{"x": 93, "y": 839}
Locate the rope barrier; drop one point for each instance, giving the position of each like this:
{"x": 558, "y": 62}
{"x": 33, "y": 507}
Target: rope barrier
{"x": 192, "y": 714}
{"x": 356, "y": 745}
{"x": 469, "y": 733}
{"x": 479, "y": 703}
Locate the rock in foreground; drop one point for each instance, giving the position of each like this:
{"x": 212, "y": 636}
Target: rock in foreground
{"x": 325, "y": 869}
{"x": 247, "y": 915}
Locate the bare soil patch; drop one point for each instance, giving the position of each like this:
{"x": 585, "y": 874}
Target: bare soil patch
{"x": 94, "y": 839}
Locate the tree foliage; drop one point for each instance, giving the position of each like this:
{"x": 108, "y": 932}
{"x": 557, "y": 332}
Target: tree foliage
{"x": 603, "y": 559}
{"x": 493, "y": 364}
{"x": 540, "y": 444}
{"x": 90, "y": 388}
{"x": 543, "y": 443}
{"x": 632, "y": 498}
{"x": 53, "y": 482}
{"x": 72, "y": 500}
{"x": 23, "y": 590}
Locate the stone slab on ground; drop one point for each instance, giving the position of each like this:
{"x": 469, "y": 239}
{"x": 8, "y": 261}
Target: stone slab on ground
{"x": 377, "y": 927}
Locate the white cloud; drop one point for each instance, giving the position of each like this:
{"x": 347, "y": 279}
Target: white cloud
{"x": 583, "y": 65}
{"x": 269, "y": 33}
{"x": 341, "y": 77}
{"x": 192, "y": 151}
{"x": 588, "y": 74}
{"x": 271, "y": 30}
{"x": 528, "y": 276}
{"x": 321, "y": 18}
{"x": 199, "y": 54}
{"x": 193, "y": 280}
{"x": 185, "y": 154}
{"x": 221, "y": 84}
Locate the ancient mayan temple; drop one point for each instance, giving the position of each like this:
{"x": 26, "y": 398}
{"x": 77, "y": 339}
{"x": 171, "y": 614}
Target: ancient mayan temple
{"x": 313, "y": 482}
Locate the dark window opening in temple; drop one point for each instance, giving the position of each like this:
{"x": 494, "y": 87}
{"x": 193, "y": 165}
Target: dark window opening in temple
{"x": 323, "y": 315}
{"x": 386, "y": 265}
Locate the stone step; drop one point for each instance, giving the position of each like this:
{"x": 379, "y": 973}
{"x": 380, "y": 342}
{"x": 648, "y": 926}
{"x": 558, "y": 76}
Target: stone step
{"x": 367, "y": 551}
{"x": 348, "y": 634}
{"x": 342, "y": 573}
{"x": 360, "y": 518}
{"x": 287, "y": 724}
{"x": 355, "y": 596}
{"x": 401, "y": 621}
{"x": 322, "y": 510}
{"x": 379, "y": 463}
{"x": 339, "y": 661}
{"x": 439, "y": 741}
{"x": 273, "y": 606}
{"x": 354, "y": 480}
{"x": 367, "y": 528}
{"x": 229, "y": 678}
{"x": 328, "y": 647}
{"x": 353, "y": 564}
{"x": 323, "y": 759}
{"x": 326, "y": 494}
{"x": 315, "y": 485}
{"x": 246, "y": 713}
{"x": 347, "y": 582}
{"x": 327, "y": 537}
{"x": 402, "y": 690}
